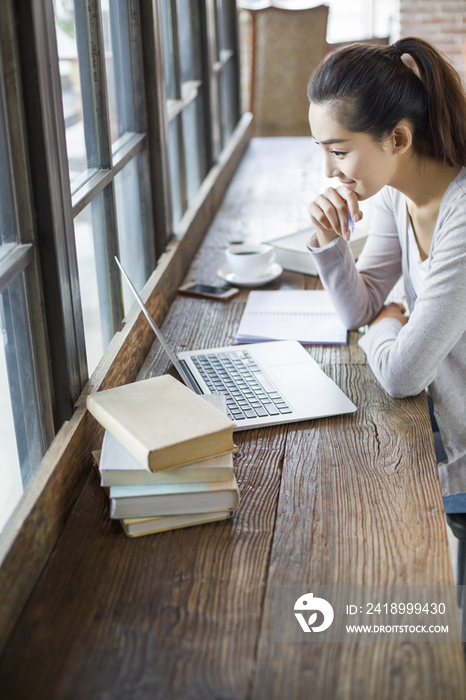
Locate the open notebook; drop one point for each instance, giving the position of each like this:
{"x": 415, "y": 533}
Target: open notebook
{"x": 293, "y": 314}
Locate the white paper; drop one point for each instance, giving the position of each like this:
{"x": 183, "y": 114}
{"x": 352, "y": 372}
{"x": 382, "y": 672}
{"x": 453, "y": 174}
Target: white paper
{"x": 296, "y": 314}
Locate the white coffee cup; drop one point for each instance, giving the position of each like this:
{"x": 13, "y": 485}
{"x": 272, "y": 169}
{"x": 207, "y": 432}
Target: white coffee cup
{"x": 248, "y": 261}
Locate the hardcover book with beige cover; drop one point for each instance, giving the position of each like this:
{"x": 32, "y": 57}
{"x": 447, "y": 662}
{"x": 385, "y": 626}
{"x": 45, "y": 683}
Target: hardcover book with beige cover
{"x": 162, "y": 423}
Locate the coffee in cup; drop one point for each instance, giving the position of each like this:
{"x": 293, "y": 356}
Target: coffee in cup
{"x": 248, "y": 261}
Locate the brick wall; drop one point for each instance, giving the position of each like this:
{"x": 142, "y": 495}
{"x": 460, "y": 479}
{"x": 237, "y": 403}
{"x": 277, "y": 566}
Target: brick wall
{"x": 442, "y": 22}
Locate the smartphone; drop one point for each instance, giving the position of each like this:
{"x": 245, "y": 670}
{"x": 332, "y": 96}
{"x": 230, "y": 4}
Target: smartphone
{"x": 209, "y": 292}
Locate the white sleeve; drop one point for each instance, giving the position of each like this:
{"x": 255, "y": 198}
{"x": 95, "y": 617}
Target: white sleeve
{"x": 358, "y": 291}
{"x": 406, "y": 358}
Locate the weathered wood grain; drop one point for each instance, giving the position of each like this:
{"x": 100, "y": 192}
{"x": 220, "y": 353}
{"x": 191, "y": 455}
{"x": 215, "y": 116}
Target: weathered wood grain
{"x": 188, "y": 614}
{"x": 172, "y": 615}
{"x": 366, "y": 508}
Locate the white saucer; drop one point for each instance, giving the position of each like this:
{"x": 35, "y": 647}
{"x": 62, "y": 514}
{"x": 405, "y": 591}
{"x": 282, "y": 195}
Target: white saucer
{"x": 270, "y": 273}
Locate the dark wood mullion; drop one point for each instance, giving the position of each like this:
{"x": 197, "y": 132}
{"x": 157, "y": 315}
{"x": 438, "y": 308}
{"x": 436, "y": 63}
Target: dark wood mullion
{"x": 233, "y": 23}
{"x": 179, "y": 81}
{"x": 176, "y": 47}
{"x": 200, "y": 83}
{"x": 157, "y": 124}
{"x": 182, "y": 162}
{"x": 134, "y": 20}
{"x": 219, "y": 12}
{"x": 51, "y": 192}
{"x": 120, "y": 19}
{"x": 97, "y": 65}
{"x": 144, "y": 179}
{"x": 206, "y": 83}
{"x": 89, "y": 104}
{"x": 104, "y": 216}
{"x": 214, "y": 102}
{"x": 229, "y": 56}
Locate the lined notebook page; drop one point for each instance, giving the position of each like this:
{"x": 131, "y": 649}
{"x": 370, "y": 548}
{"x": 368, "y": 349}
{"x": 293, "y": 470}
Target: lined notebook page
{"x": 296, "y": 314}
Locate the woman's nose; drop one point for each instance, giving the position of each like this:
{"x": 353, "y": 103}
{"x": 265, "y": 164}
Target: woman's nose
{"x": 331, "y": 170}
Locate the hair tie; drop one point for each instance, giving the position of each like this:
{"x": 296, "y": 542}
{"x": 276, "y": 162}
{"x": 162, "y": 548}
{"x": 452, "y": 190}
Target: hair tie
{"x": 398, "y": 51}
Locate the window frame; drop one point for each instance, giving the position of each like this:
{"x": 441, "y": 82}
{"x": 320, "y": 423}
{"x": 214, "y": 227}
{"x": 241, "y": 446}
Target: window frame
{"x": 49, "y": 209}
{"x": 22, "y": 257}
{"x": 213, "y": 61}
{"x": 55, "y": 209}
{"x": 27, "y": 32}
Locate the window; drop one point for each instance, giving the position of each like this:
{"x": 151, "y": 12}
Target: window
{"x": 112, "y": 114}
{"x": 201, "y": 88}
{"x": 25, "y": 427}
{"x": 104, "y": 116}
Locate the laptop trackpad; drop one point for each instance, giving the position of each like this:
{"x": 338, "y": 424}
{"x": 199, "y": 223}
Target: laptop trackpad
{"x": 309, "y": 389}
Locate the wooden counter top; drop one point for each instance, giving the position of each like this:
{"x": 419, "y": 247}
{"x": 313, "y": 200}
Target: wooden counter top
{"x": 188, "y": 614}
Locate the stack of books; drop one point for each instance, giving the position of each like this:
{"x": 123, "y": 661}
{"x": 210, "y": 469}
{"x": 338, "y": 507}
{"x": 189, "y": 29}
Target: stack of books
{"x": 166, "y": 459}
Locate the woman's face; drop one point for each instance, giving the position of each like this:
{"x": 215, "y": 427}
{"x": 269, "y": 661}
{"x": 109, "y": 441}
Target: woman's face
{"x": 360, "y": 164}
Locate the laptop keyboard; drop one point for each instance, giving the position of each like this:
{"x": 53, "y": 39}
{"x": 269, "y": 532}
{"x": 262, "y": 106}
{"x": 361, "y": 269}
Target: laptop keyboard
{"x": 249, "y": 393}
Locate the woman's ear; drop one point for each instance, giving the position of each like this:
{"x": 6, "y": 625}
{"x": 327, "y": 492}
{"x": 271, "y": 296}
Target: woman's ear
{"x": 402, "y": 138}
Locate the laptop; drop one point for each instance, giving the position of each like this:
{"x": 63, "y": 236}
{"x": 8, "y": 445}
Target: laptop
{"x": 270, "y": 383}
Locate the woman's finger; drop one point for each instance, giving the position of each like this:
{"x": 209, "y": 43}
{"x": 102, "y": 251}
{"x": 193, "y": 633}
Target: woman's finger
{"x": 339, "y": 200}
{"x": 330, "y": 211}
{"x": 329, "y": 202}
{"x": 352, "y": 203}
{"x": 398, "y": 305}
{"x": 319, "y": 218}
{"x": 335, "y": 210}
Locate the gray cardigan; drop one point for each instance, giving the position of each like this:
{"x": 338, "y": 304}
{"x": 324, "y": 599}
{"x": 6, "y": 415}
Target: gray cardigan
{"x": 429, "y": 350}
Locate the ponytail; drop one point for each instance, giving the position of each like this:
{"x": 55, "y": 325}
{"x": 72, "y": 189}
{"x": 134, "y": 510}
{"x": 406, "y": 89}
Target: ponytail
{"x": 372, "y": 88}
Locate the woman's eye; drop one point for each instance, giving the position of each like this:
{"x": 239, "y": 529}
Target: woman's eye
{"x": 338, "y": 154}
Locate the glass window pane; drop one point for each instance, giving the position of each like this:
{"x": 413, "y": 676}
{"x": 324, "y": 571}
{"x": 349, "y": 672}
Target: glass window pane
{"x": 21, "y": 438}
{"x": 89, "y": 231}
{"x": 223, "y": 25}
{"x": 216, "y": 38}
{"x": 10, "y": 469}
{"x": 131, "y": 242}
{"x": 118, "y": 63}
{"x": 8, "y": 224}
{"x": 176, "y": 179}
{"x": 77, "y": 90}
{"x": 169, "y": 51}
{"x": 229, "y": 109}
{"x": 227, "y": 21}
{"x": 196, "y": 163}
{"x": 189, "y": 31}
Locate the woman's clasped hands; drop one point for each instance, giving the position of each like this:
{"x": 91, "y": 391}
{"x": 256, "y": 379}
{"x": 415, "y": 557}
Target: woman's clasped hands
{"x": 392, "y": 310}
{"x": 330, "y": 212}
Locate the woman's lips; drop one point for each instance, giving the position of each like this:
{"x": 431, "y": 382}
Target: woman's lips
{"x": 348, "y": 185}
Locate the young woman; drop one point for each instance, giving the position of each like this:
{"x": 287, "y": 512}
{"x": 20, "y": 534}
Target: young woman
{"x": 392, "y": 123}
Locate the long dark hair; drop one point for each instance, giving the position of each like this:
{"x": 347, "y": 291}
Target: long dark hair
{"x": 370, "y": 89}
